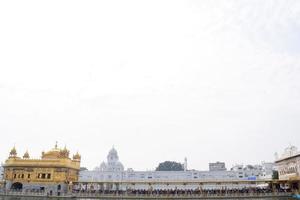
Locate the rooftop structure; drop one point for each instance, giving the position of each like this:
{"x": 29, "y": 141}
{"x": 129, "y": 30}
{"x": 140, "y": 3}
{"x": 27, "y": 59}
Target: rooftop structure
{"x": 288, "y": 164}
{"x": 288, "y": 152}
{"x": 217, "y": 166}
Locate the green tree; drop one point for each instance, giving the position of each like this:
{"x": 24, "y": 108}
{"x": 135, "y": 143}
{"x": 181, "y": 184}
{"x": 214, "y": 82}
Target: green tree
{"x": 83, "y": 169}
{"x": 169, "y": 166}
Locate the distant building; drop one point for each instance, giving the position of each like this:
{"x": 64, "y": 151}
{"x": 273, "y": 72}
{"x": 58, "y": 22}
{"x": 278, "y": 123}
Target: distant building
{"x": 253, "y": 171}
{"x": 53, "y": 173}
{"x": 268, "y": 169}
{"x": 113, "y": 164}
{"x": 113, "y": 170}
{"x": 217, "y": 166}
{"x": 288, "y": 164}
{"x": 263, "y": 171}
{"x": 239, "y": 169}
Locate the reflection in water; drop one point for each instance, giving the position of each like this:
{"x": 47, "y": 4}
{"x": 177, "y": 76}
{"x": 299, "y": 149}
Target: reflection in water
{"x": 40, "y": 198}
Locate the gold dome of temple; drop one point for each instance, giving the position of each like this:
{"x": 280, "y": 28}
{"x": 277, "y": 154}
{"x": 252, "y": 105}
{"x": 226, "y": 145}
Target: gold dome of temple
{"x": 77, "y": 156}
{"x": 56, "y": 153}
{"x": 13, "y": 152}
{"x": 26, "y": 155}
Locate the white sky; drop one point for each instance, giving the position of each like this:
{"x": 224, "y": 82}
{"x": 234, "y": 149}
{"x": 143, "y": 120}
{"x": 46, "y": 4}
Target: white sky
{"x": 160, "y": 80}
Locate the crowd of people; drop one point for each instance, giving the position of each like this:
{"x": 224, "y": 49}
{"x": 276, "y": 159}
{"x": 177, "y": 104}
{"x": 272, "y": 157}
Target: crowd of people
{"x": 225, "y": 192}
{"x": 187, "y": 192}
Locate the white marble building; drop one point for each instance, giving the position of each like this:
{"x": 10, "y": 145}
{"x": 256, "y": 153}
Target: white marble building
{"x": 86, "y": 176}
{"x": 113, "y": 171}
{"x": 113, "y": 164}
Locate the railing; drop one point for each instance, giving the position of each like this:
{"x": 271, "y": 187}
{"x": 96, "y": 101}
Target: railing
{"x": 181, "y": 195}
{"x": 22, "y": 193}
{"x": 126, "y": 194}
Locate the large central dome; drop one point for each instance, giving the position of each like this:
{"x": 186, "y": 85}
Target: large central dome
{"x": 56, "y": 153}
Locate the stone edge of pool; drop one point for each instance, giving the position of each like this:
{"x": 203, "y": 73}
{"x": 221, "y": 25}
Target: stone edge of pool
{"x": 151, "y": 197}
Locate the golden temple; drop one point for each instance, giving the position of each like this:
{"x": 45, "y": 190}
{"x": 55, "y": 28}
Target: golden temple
{"x": 54, "y": 172}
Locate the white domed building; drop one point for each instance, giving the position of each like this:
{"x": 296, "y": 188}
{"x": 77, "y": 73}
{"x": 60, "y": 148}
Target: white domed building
{"x": 113, "y": 164}
{"x": 113, "y": 171}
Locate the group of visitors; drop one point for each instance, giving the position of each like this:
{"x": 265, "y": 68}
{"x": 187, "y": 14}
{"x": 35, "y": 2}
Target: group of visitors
{"x": 185, "y": 192}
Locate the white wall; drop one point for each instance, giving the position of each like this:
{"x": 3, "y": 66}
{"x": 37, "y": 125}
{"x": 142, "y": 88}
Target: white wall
{"x": 90, "y": 176}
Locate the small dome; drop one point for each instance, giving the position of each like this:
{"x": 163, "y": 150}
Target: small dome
{"x": 77, "y": 156}
{"x": 26, "y": 155}
{"x": 103, "y": 166}
{"x": 120, "y": 166}
{"x": 13, "y": 152}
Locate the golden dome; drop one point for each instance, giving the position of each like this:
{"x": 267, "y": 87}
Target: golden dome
{"x": 13, "y": 152}
{"x": 77, "y": 156}
{"x": 56, "y": 153}
{"x": 26, "y": 155}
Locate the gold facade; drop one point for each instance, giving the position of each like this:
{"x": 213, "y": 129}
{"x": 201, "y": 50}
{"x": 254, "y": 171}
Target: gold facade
{"x": 55, "y": 167}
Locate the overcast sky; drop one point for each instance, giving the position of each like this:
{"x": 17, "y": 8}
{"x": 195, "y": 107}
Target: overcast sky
{"x": 159, "y": 80}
